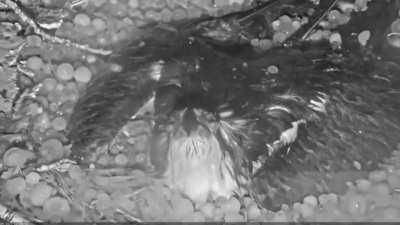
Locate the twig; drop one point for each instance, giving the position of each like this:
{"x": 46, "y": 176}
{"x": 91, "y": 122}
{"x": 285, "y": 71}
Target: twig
{"x": 128, "y": 215}
{"x": 36, "y": 29}
{"x": 304, "y": 37}
{"x": 13, "y": 217}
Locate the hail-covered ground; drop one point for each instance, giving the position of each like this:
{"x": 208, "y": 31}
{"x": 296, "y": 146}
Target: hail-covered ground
{"x": 41, "y": 80}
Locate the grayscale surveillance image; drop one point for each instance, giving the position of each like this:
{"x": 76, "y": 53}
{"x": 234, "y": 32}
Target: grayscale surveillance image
{"x": 228, "y": 111}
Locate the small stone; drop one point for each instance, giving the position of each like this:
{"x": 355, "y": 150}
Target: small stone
{"x": 52, "y": 149}
{"x": 49, "y": 84}
{"x": 356, "y": 204}
{"x": 64, "y": 71}
{"x": 273, "y": 69}
{"x": 306, "y": 211}
{"x": 15, "y": 186}
{"x": 363, "y": 185}
{"x": 83, "y": 74}
{"x": 361, "y": 5}
{"x": 59, "y": 123}
{"x": 16, "y": 157}
{"x": 363, "y": 37}
{"x": 311, "y": 200}
{"x": 166, "y": 15}
{"x": 82, "y": 19}
{"x": 178, "y": 14}
{"x": 34, "y": 63}
{"x": 99, "y": 24}
{"x": 32, "y": 178}
{"x": 133, "y": 4}
{"x": 34, "y": 41}
{"x": 57, "y": 207}
{"x": 253, "y": 212}
{"x": 335, "y": 39}
{"x": 207, "y": 209}
{"x": 279, "y": 37}
{"x": 395, "y": 26}
{"x": 40, "y": 193}
{"x": 152, "y": 15}
{"x": 121, "y": 160}
{"x": 265, "y": 44}
{"x": 333, "y": 16}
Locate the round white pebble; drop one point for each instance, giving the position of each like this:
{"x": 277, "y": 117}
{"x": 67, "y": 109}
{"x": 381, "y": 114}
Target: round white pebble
{"x": 83, "y": 74}
{"x": 34, "y": 63}
{"x": 99, "y": 24}
{"x": 335, "y": 39}
{"x": 311, "y": 200}
{"x": 273, "y": 69}
{"x": 32, "y": 178}
{"x": 306, "y": 211}
{"x": 133, "y": 3}
{"x": 363, "y": 185}
{"x": 121, "y": 159}
{"x": 363, "y": 37}
{"x": 82, "y": 19}
{"x": 64, "y": 71}
{"x": 59, "y": 123}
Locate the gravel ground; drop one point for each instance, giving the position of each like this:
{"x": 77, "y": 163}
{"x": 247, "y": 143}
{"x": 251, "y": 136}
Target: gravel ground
{"x": 38, "y": 96}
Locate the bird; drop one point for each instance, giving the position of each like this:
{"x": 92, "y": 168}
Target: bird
{"x": 224, "y": 126}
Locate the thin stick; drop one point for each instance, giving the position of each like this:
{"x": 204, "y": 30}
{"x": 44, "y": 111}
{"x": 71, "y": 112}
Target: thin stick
{"x": 303, "y": 38}
{"x": 36, "y": 29}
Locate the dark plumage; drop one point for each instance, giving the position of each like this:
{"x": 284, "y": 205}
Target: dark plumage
{"x": 321, "y": 113}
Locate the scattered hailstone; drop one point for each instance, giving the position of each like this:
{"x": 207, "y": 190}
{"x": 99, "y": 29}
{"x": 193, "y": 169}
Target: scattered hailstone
{"x": 363, "y": 37}
{"x": 16, "y": 157}
{"x": 82, "y": 19}
{"x": 335, "y": 40}
{"x": 311, "y": 200}
{"x": 273, "y": 69}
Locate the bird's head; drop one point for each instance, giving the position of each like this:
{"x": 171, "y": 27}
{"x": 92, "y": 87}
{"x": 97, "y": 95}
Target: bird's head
{"x": 201, "y": 156}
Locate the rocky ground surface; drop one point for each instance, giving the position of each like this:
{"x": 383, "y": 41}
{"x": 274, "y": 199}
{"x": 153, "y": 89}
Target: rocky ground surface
{"x": 42, "y": 75}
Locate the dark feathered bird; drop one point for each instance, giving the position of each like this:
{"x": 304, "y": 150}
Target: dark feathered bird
{"x": 224, "y": 125}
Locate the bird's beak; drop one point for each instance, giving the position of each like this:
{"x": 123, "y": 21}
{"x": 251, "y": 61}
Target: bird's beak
{"x": 189, "y": 121}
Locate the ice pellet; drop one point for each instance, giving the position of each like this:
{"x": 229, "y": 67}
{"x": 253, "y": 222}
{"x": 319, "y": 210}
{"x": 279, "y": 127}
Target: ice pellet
{"x": 311, "y": 200}
{"x": 363, "y": 185}
{"x": 83, "y": 74}
{"x": 32, "y": 178}
{"x": 273, "y": 69}
{"x": 40, "y": 193}
{"x": 356, "y": 204}
{"x": 49, "y": 84}
{"x": 335, "y": 39}
{"x": 363, "y": 37}
{"x": 34, "y": 63}
{"x": 15, "y": 186}
{"x": 64, "y": 71}
{"x": 82, "y": 19}
{"x": 306, "y": 211}
{"x": 133, "y": 3}
{"x": 99, "y": 24}
{"x": 121, "y": 159}
{"x": 59, "y": 123}
{"x": 56, "y": 206}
